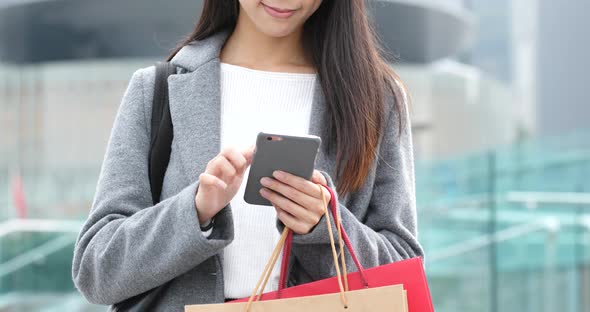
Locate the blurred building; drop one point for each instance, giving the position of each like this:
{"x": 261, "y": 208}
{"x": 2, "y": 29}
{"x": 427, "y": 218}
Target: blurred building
{"x": 506, "y": 50}
{"x": 563, "y": 66}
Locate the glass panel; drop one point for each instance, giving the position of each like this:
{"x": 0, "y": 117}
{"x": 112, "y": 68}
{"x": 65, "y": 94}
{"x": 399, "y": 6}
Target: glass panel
{"x": 511, "y": 226}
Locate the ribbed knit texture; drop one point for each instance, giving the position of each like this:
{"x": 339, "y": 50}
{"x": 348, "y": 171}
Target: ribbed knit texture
{"x": 254, "y": 101}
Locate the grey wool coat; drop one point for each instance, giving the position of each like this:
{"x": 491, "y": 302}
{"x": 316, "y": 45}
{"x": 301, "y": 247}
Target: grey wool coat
{"x": 128, "y": 245}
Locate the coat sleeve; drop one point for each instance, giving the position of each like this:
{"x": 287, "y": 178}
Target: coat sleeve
{"x": 388, "y": 231}
{"x": 128, "y": 245}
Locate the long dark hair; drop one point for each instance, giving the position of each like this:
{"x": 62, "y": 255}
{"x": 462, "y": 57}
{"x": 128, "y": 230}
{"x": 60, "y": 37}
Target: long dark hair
{"x": 355, "y": 78}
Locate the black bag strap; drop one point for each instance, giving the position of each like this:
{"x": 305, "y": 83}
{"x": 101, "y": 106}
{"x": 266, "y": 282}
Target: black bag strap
{"x": 161, "y": 133}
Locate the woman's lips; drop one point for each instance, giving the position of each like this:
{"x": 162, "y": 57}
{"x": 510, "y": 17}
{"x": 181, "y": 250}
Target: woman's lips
{"x": 278, "y": 13}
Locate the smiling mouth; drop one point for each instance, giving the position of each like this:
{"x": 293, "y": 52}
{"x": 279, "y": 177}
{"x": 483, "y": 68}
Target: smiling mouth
{"x": 278, "y": 12}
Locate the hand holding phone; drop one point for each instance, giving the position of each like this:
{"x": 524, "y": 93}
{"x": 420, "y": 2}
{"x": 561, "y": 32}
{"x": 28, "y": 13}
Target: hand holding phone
{"x": 282, "y": 175}
{"x": 298, "y": 202}
{"x": 293, "y": 154}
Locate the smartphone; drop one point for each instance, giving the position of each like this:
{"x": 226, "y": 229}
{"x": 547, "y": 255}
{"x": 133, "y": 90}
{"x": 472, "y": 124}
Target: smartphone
{"x": 292, "y": 154}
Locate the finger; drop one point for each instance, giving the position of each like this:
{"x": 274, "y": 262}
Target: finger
{"x": 299, "y": 183}
{"x": 291, "y": 222}
{"x": 248, "y": 153}
{"x": 222, "y": 168}
{"x": 327, "y": 195}
{"x": 318, "y": 177}
{"x": 289, "y": 192}
{"x": 297, "y": 211}
{"x": 206, "y": 180}
{"x": 236, "y": 158}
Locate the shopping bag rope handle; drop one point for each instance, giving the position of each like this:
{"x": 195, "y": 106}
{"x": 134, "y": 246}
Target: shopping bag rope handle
{"x": 260, "y": 285}
{"x": 342, "y": 235}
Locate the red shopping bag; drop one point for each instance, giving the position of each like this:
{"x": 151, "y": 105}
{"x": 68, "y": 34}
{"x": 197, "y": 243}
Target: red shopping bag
{"x": 409, "y": 273}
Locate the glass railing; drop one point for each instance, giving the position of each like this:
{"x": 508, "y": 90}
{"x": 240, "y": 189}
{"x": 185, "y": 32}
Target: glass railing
{"x": 509, "y": 230}
{"x": 35, "y": 266}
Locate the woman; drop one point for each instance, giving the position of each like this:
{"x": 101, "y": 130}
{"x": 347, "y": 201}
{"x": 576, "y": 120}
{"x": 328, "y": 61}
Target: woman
{"x": 292, "y": 67}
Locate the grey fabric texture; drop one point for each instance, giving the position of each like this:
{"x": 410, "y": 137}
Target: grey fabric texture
{"x": 128, "y": 245}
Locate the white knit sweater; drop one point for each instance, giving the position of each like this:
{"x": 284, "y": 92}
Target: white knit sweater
{"x": 254, "y": 101}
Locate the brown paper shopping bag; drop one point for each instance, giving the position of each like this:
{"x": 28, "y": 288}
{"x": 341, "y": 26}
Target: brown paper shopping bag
{"x": 388, "y": 298}
{"x": 380, "y": 299}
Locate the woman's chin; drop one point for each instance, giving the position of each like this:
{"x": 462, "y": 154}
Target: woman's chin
{"x": 276, "y": 30}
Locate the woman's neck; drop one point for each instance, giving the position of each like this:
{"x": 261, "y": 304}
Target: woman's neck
{"x": 249, "y": 47}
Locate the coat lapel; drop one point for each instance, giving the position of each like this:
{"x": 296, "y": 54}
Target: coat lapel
{"x": 195, "y": 107}
{"x": 195, "y": 110}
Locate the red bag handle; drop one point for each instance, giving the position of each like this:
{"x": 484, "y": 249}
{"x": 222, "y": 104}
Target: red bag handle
{"x": 289, "y": 243}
